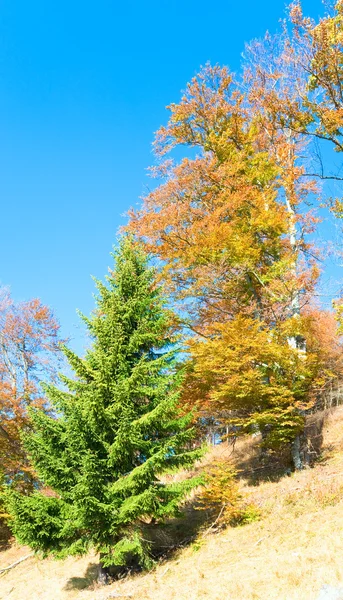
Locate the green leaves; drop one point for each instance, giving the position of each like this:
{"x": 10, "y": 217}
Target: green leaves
{"x": 118, "y": 428}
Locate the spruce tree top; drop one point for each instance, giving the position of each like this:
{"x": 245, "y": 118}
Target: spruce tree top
{"x": 118, "y": 428}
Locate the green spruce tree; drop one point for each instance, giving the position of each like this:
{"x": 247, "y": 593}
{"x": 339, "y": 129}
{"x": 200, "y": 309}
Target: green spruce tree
{"x": 117, "y": 429}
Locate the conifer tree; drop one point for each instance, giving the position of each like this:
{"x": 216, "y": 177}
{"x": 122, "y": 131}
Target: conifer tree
{"x": 117, "y": 429}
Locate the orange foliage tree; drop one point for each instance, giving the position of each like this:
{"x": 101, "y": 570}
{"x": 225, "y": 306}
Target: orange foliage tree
{"x": 295, "y": 83}
{"x": 217, "y": 222}
{"x": 317, "y": 109}
{"x": 295, "y": 90}
{"x": 229, "y": 231}
{"x": 29, "y": 353}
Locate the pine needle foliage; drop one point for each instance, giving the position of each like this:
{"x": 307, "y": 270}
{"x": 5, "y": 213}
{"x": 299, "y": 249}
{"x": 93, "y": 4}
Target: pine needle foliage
{"x": 118, "y": 429}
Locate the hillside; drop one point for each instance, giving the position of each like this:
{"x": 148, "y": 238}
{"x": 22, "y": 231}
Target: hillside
{"x": 291, "y": 552}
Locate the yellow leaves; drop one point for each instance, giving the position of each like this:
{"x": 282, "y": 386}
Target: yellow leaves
{"x": 251, "y": 371}
{"x": 338, "y": 307}
{"x": 209, "y": 220}
{"x": 218, "y": 222}
{"x": 222, "y": 491}
{"x": 337, "y": 208}
{"x": 245, "y": 364}
{"x": 332, "y": 119}
{"x": 320, "y": 55}
{"x": 205, "y": 105}
{"x": 225, "y": 225}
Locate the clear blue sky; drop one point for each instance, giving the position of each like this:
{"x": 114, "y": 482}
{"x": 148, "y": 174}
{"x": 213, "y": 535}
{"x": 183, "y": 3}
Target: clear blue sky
{"x": 83, "y": 86}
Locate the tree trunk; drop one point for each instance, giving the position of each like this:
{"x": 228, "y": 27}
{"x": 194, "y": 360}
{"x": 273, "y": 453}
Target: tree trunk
{"x": 103, "y": 574}
{"x": 296, "y": 453}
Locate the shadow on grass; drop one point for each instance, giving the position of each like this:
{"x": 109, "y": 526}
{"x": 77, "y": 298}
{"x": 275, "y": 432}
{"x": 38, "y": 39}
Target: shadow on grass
{"x": 253, "y": 464}
{"x": 259, "y": 465}
{"x": 167, "y": 538}
{"x": 266, "y": 465}
{"x": 5, "y": 536}
{"x": 81, "y": 583}
{"x": 164, "y": 539}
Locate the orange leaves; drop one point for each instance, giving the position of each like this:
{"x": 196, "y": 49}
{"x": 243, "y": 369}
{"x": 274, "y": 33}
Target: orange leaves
{"x": 230, "y": 228}
{"x": 251, "y": 375}
{"x": 253, "y": 370}
{"x": 216, "y": 218}
{"x": 246, "y": 365}
{"x": 205, "y": 111}
{"x": 315, "y": 108}
{"x": 203, "y": 206}
{"x": 29, "y": 351}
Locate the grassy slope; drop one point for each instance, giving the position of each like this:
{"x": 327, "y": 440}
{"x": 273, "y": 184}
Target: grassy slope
{"x": 294, "y": 550}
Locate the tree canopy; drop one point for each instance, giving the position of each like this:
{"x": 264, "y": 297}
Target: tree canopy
{"x": 118, "y": 429}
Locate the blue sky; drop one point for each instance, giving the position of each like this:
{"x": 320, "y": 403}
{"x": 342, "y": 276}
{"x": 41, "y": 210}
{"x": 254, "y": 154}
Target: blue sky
{"x": 83, "y": 86}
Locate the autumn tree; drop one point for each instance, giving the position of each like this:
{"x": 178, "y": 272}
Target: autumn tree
{"x": 318, "y": 48}
{"x": 223, "y": 224}
{"x": 29, "y": 352}
{"x": 274, "y": 80}
{"x": 216, "y": 221}
{"x": 294, "y": 82}
{"x": 318, "y": 113}
{"x": 118, "y": 429}
{"x": 295, "y": 85}
{"x": 265, "y": 381}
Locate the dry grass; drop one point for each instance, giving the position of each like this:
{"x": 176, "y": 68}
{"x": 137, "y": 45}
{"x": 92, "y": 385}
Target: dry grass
{"x": 294, "y": 550}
